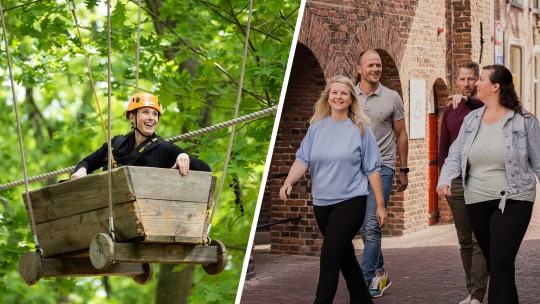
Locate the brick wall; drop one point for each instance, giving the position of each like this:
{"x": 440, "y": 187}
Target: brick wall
{"x": 306, "y": 82}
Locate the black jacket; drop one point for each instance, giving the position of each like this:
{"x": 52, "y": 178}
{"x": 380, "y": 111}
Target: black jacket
{"x": 157, "y": 153}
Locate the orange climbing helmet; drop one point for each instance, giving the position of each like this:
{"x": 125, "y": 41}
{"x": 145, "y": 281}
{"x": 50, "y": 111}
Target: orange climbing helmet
{"x": 140, "y": 100}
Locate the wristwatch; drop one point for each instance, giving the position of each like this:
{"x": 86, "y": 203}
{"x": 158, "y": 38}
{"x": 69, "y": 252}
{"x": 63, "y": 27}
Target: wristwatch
{"x": 404, "y": 170}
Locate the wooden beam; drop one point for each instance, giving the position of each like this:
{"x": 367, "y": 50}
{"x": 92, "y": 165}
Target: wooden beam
{"x": 165, "y": 253}
{"x": 32, "y": 268}
{"x": 103, "y": 252}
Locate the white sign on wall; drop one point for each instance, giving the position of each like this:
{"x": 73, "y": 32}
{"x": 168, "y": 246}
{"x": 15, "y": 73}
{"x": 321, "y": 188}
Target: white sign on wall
{"x": 417, "y": 111}
{"x": 499, "y": 43}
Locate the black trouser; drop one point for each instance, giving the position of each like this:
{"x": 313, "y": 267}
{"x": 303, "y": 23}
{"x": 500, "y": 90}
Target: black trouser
{"x": 499, "y": 236}
{"x": 474, "y": 263}
{"x": 339, "y": 224}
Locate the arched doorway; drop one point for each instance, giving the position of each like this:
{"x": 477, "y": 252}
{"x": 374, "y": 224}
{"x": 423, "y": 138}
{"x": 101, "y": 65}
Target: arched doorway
{"x": 306, "y": 81}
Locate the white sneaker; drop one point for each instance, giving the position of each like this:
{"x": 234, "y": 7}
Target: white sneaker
{"x": 475, "y": 301}
{"x": 466, "y": 301}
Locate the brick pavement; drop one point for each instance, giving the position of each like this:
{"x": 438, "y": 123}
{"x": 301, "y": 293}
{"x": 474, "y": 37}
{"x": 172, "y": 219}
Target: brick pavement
{"x": 425, "y": 267}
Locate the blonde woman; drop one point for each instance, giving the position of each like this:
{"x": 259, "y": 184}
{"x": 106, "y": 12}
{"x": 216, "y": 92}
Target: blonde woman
{"x": 343, "y": 156}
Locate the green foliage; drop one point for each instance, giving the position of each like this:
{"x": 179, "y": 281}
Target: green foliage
{"x": 193, "y": 64}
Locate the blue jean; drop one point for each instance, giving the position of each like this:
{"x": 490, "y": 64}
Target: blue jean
{"x": 372, "y": 258}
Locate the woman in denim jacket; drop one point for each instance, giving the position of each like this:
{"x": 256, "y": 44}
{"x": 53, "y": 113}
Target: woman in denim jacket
{"x": 497, "y": 153}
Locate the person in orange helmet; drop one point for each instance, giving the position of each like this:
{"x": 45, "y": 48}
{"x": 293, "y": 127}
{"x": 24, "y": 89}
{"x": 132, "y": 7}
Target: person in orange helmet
{"x": 141, "y": 146}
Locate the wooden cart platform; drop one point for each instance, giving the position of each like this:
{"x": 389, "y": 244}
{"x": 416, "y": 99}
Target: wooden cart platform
{"x": 159, "y": 216}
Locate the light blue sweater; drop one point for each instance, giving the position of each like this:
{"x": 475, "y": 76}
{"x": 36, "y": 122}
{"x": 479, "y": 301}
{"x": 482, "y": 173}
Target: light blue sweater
{"x": 339, "y": 159}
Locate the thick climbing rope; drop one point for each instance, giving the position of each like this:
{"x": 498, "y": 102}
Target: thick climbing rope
{"x": 233, "y": 128}
{"x": 71, "y": 5}
{"x": 21, "y": 146}
{"x": 174, "y": 139}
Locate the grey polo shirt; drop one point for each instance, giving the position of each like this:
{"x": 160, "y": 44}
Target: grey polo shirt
{"x": 383, "y": 107}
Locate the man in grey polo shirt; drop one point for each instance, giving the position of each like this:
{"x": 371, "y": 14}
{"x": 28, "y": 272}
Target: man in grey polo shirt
{"x": 384, "y": 107}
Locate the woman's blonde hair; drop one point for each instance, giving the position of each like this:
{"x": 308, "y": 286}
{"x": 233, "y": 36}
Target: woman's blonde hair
{"x": 322, "y": 107}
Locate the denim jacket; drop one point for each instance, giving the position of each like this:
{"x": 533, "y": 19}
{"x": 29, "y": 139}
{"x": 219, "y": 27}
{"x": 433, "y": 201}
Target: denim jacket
{"x": 521, "y": 143}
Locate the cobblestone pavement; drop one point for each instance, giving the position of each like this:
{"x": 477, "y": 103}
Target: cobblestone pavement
{"x": 425, "y": 267}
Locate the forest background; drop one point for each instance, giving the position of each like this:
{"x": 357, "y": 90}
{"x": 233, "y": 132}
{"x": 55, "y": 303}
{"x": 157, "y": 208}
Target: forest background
{"x": 190, "y": 56}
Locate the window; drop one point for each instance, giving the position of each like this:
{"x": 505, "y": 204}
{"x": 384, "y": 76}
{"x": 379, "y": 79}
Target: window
{"x": 515, "y": 68}
{"x": 518, "y": 3}
{"x": 534, "y": 6}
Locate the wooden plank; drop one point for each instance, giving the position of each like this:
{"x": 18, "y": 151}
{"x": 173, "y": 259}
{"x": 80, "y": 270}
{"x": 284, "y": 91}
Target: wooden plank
{"x": 32, "y": 267}
{"x": 79, "y": 196}
{"x": 83, "y": 268}
{"x": 172, "y": 221}
{"x": 165, "y": 253}
{"x": 167, "y": 184}
{"x": 76, "y": 232}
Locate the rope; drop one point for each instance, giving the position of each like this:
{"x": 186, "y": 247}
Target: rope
{"x": 238, "y": 98}
{"x": 71, "y": 5}
{"x": 138, "y": 46}
{"x": 109, "y": 147}
{"x": 21, "y": 5}
{"x": 178, "y": 138}
{"x": 21, "y": 146}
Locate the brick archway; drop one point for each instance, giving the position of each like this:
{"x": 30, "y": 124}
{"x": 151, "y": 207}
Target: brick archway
{"x": 378, "y": 34}
{"x": 314, "y": 35}
{"x": 440, "y": 94}
{"x": 306, "y": 81}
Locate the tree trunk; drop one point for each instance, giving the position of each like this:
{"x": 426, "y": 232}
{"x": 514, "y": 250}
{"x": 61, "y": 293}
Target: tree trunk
{"x": 174, "y": 284}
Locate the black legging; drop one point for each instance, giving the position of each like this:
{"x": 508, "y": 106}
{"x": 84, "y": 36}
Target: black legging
{"x": 339, "y": 224}
{"x": 499, "y": 236}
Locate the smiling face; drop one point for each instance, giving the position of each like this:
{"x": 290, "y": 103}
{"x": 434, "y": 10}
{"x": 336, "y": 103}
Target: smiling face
{"x": 146, "y": 120}
{"x": 339, "y": 97}
{"x": 370, "y": 68}
{"x": 466, "y": 80}
{"x": 484, "y": 87}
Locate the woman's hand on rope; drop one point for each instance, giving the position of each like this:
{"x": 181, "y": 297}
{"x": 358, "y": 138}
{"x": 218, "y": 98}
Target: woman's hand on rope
{"x": 381, "y": 215}
{"x": 182, "y": 163}
{"x": 80, "y": 173}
